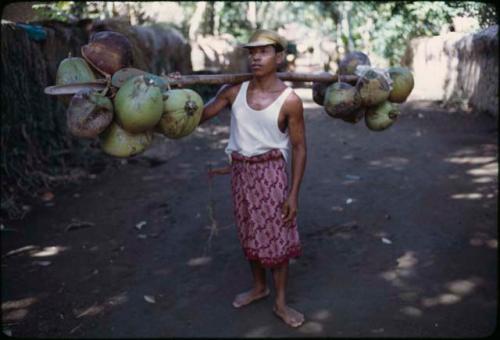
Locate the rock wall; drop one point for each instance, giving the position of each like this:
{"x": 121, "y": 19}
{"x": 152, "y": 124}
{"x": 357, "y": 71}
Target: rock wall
{"x": 457, "y": 69}
{"x": 218, "y": 54}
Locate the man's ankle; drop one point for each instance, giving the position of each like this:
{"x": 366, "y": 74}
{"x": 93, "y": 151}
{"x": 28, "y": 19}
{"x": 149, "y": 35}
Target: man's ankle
{"x": 280, "y": 304}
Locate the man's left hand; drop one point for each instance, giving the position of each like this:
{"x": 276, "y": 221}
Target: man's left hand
{"x": 289, "y": 209}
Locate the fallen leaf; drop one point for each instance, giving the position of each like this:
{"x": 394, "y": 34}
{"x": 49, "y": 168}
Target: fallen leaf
{"x": 386, "y": 240}
{"x": 78, "y": 225}
{"x": 149, "y": 298}
{"x": 354, "y": 177}
{"x": 349, "y": 201}
{"x": 20, "y": 250}
{"x": 140, "y": 225}
{"x": 351, "y": 224}
{"x": 199, "y": 261}
{"x": 47, "y": 196}
{"x": 2, "y": 228}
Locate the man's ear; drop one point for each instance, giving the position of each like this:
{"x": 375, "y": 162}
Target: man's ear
{"x": 280, "y": 57}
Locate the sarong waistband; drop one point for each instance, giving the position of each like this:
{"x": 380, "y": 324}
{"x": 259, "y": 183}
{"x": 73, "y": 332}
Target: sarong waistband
{"x": 269, "y": 155}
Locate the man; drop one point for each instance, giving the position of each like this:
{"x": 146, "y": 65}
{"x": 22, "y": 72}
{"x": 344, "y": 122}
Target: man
{"x": 266, "y": 118}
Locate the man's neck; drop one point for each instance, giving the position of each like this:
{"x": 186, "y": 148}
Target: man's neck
{"x": 265, "y": 83}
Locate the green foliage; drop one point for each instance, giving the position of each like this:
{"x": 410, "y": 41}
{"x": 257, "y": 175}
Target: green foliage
{"x": 68, "y": 11}
{"x": 233, "y": 20}
{"x": 397, "y": 23}
{"x": 59, "y": 10}
{"x": 386, "y": 27}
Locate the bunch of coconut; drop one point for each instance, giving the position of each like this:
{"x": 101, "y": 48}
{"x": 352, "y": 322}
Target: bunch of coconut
{"x": 123, "y": 119}
{"x": 375, "y": 96}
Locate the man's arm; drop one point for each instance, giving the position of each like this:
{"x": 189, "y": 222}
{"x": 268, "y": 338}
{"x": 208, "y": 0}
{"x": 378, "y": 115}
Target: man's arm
{"x": 296, "y": 131}
{"x": 222, "y": 99}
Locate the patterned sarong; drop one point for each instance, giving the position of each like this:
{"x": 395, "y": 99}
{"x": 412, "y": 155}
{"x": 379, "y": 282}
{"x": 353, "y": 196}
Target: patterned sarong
{"x": 259, "y": 188}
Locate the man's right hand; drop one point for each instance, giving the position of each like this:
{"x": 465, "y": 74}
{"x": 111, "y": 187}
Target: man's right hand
{"x": 175, "y": 75}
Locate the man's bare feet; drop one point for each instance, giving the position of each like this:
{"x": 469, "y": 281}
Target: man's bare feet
{"x": 289, "y": 315}
{"x": 245, "y": 298}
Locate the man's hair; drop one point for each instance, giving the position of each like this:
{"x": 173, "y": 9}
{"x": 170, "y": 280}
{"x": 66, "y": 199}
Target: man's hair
{"x": 278, "y": 48}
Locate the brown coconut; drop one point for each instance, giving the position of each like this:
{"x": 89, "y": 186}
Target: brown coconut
{"x": 108, "y": 52}
{"x": 89, "y": 113}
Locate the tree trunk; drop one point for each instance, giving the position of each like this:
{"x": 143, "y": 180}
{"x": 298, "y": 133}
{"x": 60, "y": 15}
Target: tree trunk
{"x": 252, "y": 14}
{"x": 197, "y": 20}
{"x": 208, "y": 21}
{"x": 261, "y": 13}
{"x": 346, "y": 25}
{"x": 217, "y": 10}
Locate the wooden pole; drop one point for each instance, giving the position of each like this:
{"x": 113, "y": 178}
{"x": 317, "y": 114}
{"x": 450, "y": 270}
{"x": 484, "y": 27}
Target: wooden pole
{"x": 241, "y": 77}
{"x": 120, "y": 77}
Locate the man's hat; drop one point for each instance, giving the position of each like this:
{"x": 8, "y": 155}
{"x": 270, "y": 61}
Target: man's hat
{"x": 265, "y": 37}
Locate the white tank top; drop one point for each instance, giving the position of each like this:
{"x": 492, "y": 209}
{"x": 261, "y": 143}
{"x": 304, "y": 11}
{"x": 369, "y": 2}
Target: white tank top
{"x": 254, "y": 132}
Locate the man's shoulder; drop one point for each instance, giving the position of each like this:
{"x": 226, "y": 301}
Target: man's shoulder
{"x": 230, "y": 91}
{"x": 293, "y": 102}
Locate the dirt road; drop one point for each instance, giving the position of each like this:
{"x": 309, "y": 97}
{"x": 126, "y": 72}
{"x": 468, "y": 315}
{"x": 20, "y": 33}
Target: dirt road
{"x": 399, "y": 230}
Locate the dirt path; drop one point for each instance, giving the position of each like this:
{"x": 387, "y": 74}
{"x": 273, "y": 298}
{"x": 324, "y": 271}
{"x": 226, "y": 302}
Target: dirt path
{"x": 399, "y": 230}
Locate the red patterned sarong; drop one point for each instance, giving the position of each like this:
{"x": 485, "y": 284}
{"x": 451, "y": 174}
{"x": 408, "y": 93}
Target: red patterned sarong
{"x": 260, "y": 187}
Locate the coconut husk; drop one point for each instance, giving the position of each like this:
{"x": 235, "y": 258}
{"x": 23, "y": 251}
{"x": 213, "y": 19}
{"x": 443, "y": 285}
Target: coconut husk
{"x": 108, "y": 52}
{"x": 89, "y": 113}
{"x": 124, "y": 27}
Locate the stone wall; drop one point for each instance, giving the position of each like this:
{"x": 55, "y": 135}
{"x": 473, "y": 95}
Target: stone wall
{"x": 457, "y": 69}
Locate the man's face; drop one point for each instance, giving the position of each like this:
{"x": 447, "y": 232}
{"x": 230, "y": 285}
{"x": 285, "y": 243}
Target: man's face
{"x": 263, "y": 59}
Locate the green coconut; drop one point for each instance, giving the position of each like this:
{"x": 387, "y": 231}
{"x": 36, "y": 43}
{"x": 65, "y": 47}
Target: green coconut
{"x": 73, "y": 70}
{"x": 182, "y": 109}
{"x": 382, "y": 116}
{"x": 351, "y": 60}
{"x": 341, "y": 99}
{"x": 138, "y": 104}
{"x": 89, "y": 113}
{"x": 117, "y": 142}
{"x": 373, "y": 88}
{"x": 354, "y": 116}
{"x": 402, "y": 84}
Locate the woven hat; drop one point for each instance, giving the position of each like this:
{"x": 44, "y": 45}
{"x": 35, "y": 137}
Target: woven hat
{"x": 265, "y": 37}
